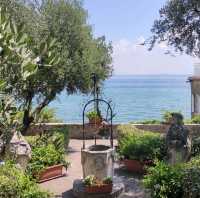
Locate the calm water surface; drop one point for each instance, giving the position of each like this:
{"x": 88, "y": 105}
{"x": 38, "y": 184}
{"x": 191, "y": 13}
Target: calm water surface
{"x": 133, "y": 98}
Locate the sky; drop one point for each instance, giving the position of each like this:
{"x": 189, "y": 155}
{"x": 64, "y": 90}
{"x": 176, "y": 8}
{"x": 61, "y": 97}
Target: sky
{"x": 126, "y": 24}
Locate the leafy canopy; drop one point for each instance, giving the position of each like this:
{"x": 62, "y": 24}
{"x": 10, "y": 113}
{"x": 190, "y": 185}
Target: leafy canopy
{"x": 66, "y": 51}
{"x": 179, "y": 26}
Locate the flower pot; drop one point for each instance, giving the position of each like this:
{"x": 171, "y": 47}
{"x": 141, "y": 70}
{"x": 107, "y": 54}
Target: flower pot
{"x": 51, "y": 173}
{"x": 104, "y": 188}
{"x": 134, "y": 166}
{"x": 95, "y": 120}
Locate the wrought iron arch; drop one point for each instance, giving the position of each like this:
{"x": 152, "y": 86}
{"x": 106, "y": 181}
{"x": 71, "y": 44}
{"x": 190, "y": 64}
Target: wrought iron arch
{"x": 111, "y": 119}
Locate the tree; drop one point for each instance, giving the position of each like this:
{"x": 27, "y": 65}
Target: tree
{"x": 80, "y": 54}
{"x": 14, "y": 52}
{"x": 179, "y": 26}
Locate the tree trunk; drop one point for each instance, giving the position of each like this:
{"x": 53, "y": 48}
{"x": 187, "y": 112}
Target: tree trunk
{"x": 27, "y": 120}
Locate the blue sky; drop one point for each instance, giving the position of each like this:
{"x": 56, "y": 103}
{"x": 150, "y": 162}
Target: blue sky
{"x": 126, "y": 23}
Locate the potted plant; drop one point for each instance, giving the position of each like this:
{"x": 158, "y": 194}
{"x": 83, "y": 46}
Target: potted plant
{"x": 47, "y": 163}
{"x": 139, "y": 149}
{"x": 94, "y": 117}
{"x": 93, "y": 185}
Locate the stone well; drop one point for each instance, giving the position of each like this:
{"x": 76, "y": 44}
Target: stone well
{"x": 98, "y": 160}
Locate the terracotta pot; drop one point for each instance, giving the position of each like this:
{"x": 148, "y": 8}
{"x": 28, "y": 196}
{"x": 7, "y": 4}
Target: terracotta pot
{"x": 105, "y": 188}
{"x": 134, "y": 166}
{"x": 51, "y": 173}
{"x": 96, "y": 120}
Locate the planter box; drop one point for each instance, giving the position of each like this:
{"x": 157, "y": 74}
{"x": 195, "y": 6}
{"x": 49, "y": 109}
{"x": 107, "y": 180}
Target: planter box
{"x": 134, "y": 166}
{"x": 51, "y": 172}
{"x": 137, "y": 166}
{"x": 105, "y": 188}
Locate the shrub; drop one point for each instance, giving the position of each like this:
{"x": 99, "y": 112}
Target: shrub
{"x": 195, "y": 146}
{"x": 195, "y": 120}
{"x": 165, "y": 181}
{"x": 14, "y": 183}
{"x": 43, "y": 157}
{"x": 139, "y": 145}
{"x": 191, "y": 181}
{"x": 47, "y": 115}
{"x": 59, "y": 138}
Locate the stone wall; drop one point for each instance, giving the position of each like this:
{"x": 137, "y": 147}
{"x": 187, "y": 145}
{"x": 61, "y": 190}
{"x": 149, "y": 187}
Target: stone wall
{"x": 75, "y": 130}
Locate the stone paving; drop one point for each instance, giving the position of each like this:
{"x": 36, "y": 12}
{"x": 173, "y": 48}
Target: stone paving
{"x": 62, "y": 187}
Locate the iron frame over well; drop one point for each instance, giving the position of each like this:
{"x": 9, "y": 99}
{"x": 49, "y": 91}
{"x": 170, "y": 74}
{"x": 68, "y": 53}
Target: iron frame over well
{"x": 97, "y": 100}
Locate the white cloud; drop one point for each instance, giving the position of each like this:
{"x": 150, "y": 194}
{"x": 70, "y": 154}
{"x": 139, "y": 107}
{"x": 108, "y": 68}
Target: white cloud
{"x": 133, "y": 58}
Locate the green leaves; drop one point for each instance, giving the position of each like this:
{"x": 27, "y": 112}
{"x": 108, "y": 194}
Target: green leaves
{"x": 164, "y": 181}
{"x": 47, "y": 50}
{"x": 138, "y": 145}
{"x": 178, "y": 26}
{"x": 14, "y": 183}
{"x": 15, "y": 48}
{"x": 172, "y": 181}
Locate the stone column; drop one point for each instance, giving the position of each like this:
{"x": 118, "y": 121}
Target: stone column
{"x": 195, "y": 91}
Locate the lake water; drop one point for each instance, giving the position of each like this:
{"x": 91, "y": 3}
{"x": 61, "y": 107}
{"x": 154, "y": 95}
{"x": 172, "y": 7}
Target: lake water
{"x": 133, "y": 98}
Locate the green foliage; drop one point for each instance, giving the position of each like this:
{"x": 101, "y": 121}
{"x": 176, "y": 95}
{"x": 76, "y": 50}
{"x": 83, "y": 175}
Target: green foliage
{"x": 92, "y": 115}
{"x": 168, "y": 116}
{"x": 59, "y": 139}
{"x": 139, "y": 145}
{"x": 195, "y": 120}
{"x": 178, "y": 26}
{"x": 47, "y": 115}
{"x": 195, "y": 146}
{"x": 89, "y": 180}
{"x": 194, "y": 162}
{"x": 14, "y": 183}
{"x": 47, "y": 150}
{"x": 108, "y": 180}
{"x": 9, "y": 122}
{"x": 165, "y": 181}
{"x": 181, "y": 180}
{"x": 191, "y": 182}
{"x": 15, "y": 51}
{"x": 43, "y": 157}
{"x": 66, "y": 51}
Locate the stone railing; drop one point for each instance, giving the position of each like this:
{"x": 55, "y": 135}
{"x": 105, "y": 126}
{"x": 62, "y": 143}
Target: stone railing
{"x": 75, "y": 130}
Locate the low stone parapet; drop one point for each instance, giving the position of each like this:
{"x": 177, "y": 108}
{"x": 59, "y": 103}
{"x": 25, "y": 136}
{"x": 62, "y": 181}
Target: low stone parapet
{"x": 76, "y": 130}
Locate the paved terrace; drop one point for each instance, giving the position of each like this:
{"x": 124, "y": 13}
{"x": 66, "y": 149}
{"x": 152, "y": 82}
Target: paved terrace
{"x": 62, "y": 187}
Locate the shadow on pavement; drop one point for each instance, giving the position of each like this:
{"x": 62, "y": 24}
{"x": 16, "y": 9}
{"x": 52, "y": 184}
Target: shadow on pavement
{"x": 68, "y": 194}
